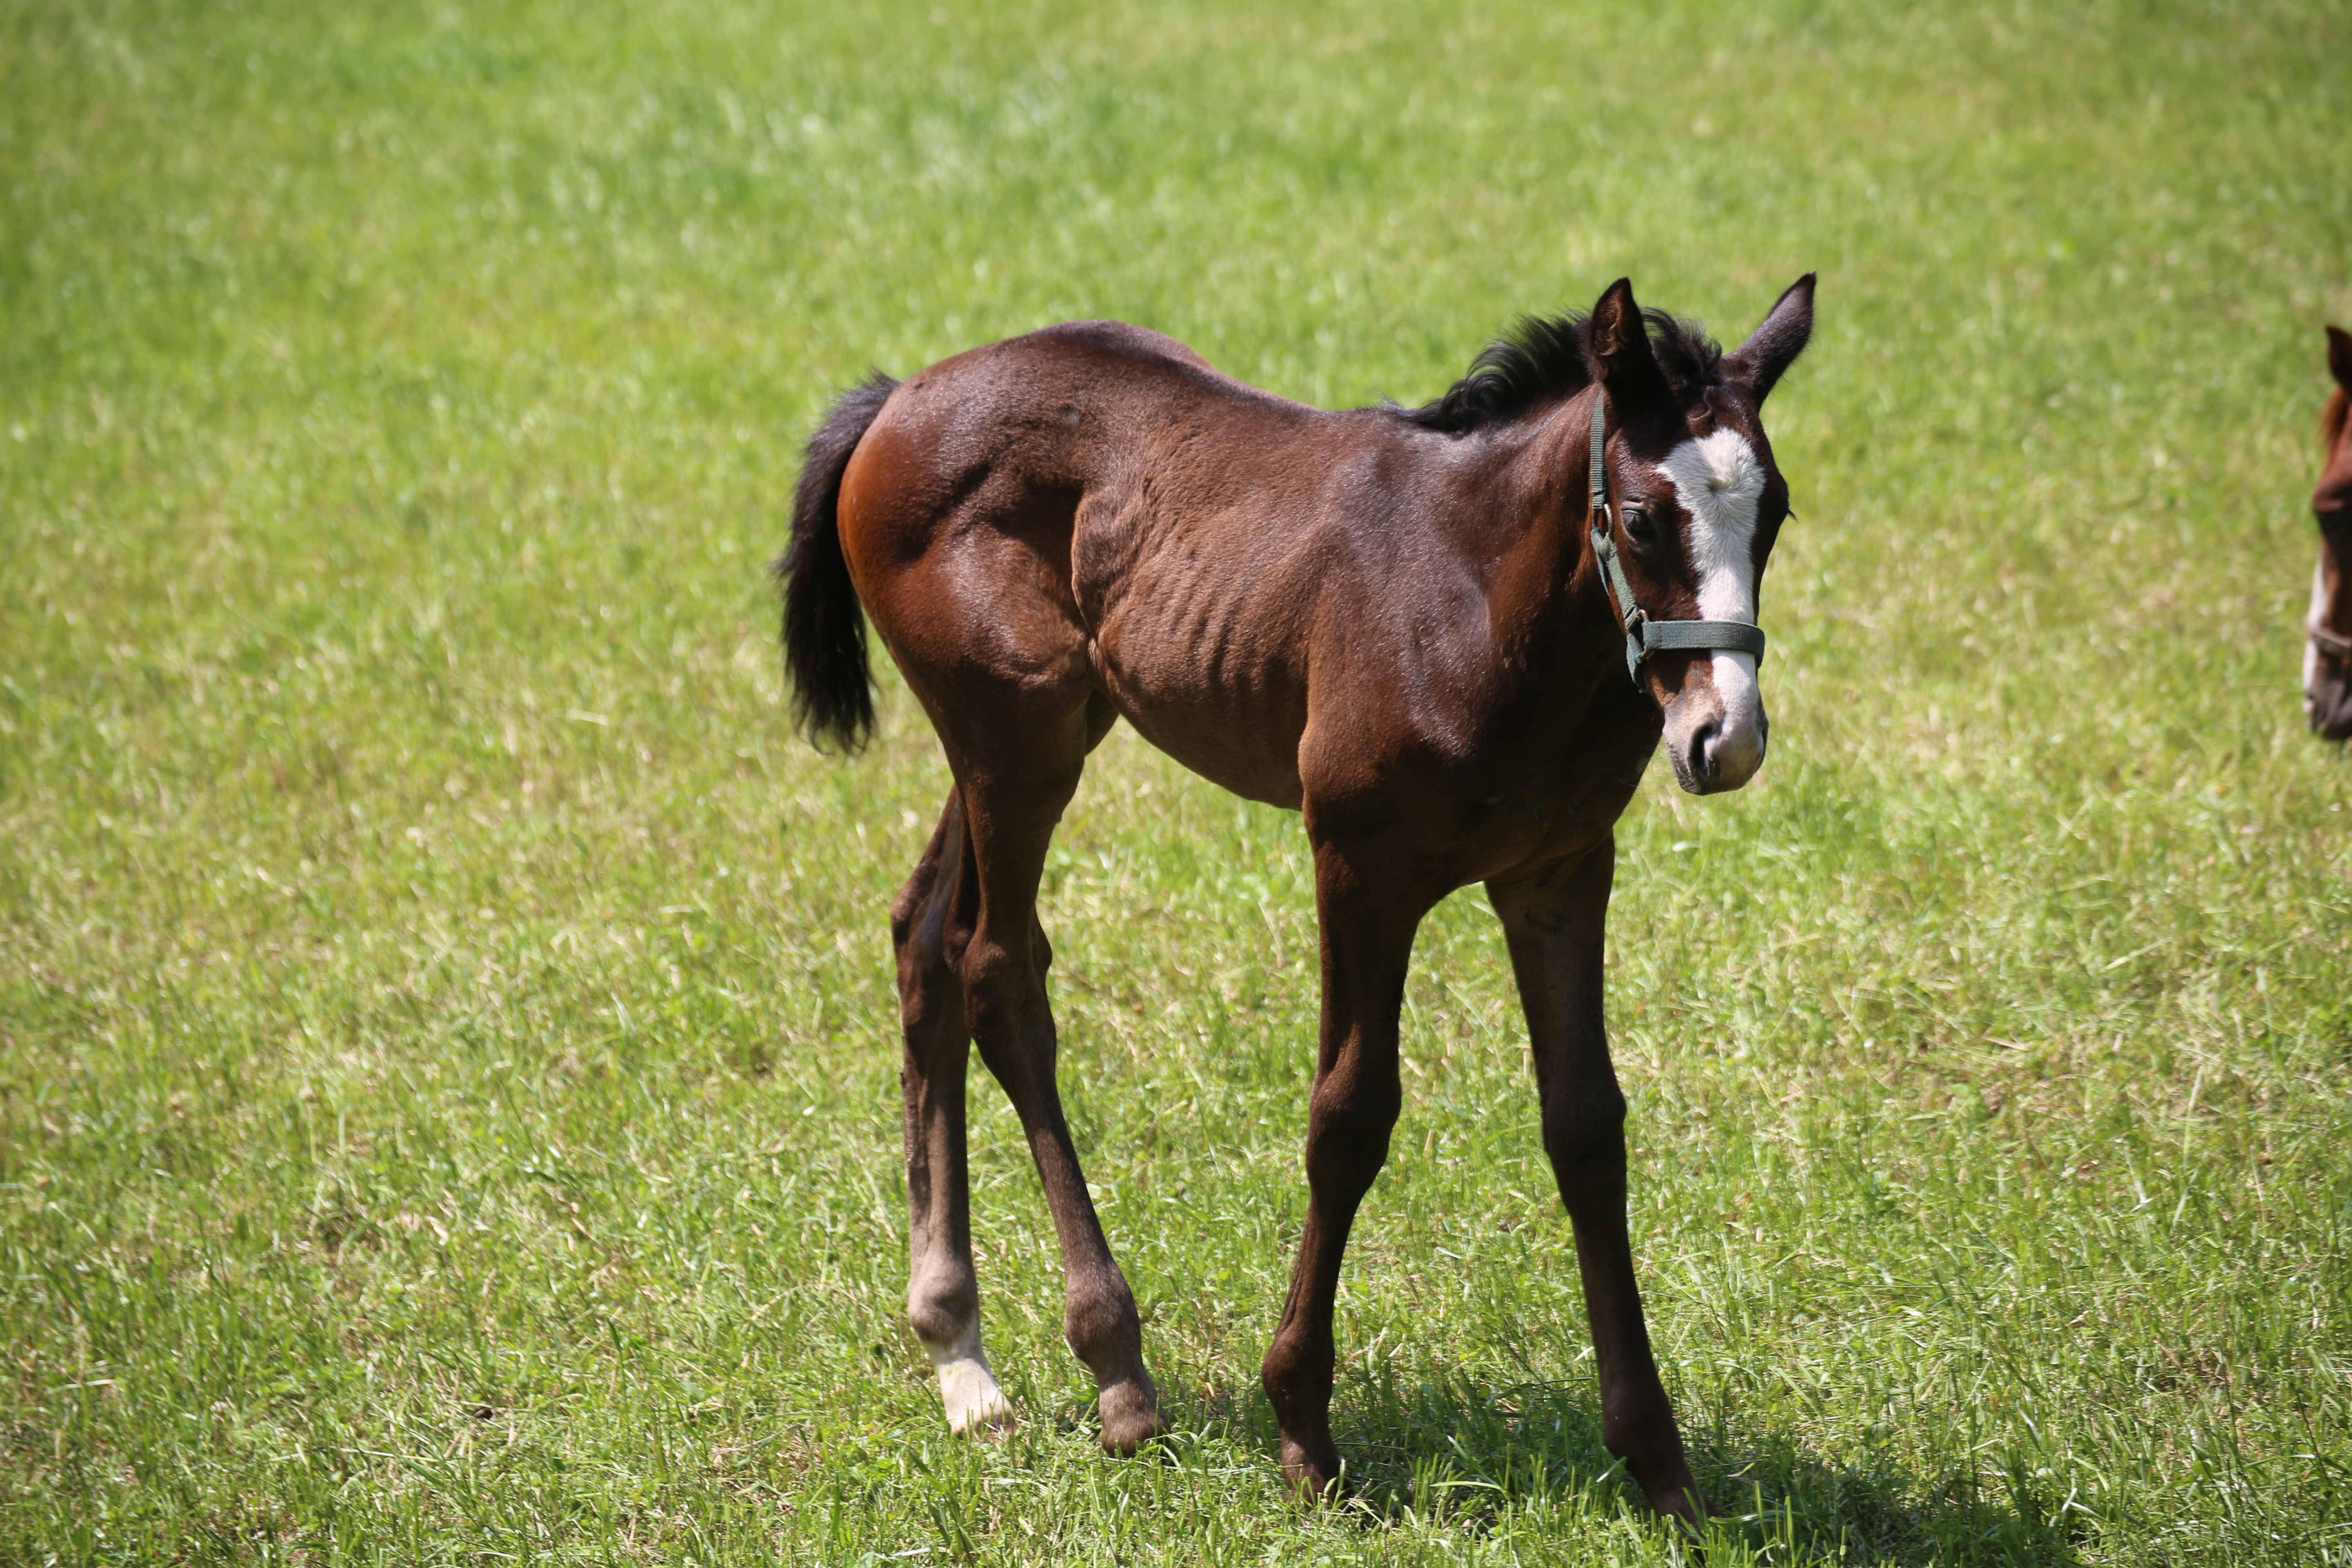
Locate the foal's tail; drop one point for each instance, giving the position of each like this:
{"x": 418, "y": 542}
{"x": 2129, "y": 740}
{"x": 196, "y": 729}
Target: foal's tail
{"x": 825, "y": 630}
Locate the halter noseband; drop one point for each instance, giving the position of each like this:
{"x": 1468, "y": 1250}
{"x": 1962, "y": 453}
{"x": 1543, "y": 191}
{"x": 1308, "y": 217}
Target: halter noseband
{"x": 1644, "y": 637}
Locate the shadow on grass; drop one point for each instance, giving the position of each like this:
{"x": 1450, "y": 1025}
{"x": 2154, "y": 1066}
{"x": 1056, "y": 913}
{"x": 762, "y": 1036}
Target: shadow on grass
{"x": 1469, "y": 1454}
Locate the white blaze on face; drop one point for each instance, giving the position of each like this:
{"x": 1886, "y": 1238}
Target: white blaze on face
{"x": 1720, "y": 482}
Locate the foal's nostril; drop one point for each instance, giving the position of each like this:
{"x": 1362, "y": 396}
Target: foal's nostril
{"x": 1703, "y": 741}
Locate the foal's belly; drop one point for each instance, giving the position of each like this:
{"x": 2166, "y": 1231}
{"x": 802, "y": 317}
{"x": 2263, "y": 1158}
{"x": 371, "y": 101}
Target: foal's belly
{"x": 1202, "y": 652}
{"x": 1244, "y": 740}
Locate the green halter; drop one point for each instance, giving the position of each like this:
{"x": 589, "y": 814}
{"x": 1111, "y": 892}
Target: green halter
{"x": 1644, "y": 637}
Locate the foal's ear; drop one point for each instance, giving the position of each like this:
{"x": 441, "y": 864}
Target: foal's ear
{"x": 1619, "y": 346}
{"x": 1773, "y": 347}
{"x": 2340, "y": 357}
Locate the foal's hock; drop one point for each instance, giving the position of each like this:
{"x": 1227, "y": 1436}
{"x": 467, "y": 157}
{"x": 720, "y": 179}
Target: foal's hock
{"x": 1415, "y": 625}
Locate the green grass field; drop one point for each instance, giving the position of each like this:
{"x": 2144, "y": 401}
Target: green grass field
{"x": 448, "y": 1074}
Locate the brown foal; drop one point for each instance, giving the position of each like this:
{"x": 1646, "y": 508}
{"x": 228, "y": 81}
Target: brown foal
{"x": 2327, "y": 629}
{"x": 1415, "y": 625}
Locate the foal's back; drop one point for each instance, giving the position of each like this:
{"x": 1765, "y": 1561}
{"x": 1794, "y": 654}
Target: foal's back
{"x": 1093, "y": 515}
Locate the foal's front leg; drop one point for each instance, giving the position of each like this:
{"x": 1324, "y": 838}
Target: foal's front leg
{"x": 1367, "y": 931}
{"x": 1553, "y": 923}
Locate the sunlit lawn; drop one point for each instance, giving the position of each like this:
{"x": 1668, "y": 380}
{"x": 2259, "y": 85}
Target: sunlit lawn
{"x": 447, "y": 1087}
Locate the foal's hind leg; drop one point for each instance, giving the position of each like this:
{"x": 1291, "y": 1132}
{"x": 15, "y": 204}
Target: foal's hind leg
{"x": 1018, "y": 769}
{"x": 930, "y": 926}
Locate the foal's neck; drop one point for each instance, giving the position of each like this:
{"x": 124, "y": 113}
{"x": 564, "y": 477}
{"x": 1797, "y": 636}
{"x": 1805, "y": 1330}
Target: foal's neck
{"x": 1546, "y": 604}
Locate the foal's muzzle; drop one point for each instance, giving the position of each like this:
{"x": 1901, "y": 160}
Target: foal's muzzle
{"x": 1716, "y": 728}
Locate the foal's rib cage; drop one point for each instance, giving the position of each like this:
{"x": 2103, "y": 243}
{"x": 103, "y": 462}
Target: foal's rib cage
{"x": 1408, "y": 623}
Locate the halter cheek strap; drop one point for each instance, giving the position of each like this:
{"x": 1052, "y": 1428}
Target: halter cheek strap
{"x": 1644, "y": 637}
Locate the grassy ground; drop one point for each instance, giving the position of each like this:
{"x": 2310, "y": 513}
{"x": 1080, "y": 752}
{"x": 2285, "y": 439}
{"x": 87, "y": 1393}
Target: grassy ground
{"x": 447, "y": 1105}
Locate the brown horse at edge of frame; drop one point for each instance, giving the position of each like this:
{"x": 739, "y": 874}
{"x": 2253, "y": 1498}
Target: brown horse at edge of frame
{"x": 2327, "y": 628}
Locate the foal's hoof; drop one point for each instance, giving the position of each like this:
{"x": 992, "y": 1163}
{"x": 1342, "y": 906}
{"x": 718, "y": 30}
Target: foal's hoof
{"x": 976, "y": 1407}
{"x": 1684, "y": 1505}
{"x": 1131, "y": 1416}
{"x": 1311, "y": 1469}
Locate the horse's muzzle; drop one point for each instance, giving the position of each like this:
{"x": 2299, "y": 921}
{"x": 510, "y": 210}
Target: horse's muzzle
{"x": 2327, "y": 703}
{"x": 1716, "y": 745}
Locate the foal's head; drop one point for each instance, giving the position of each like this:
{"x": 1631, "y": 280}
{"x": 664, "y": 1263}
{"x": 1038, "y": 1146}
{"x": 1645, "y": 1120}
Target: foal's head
{"x": 1699, "y": 502}
{"x": 2327, "y": 655}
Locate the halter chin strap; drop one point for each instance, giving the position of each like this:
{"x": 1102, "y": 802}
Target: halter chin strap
{"x": 1644, "y": 637}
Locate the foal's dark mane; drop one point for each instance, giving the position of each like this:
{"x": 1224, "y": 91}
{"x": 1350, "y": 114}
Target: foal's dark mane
{"x": 1546, "y": 358}
{"x": 2331, "y": 423}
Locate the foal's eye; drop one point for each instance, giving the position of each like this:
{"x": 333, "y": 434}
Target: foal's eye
{"x": 1637, "y": 524}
